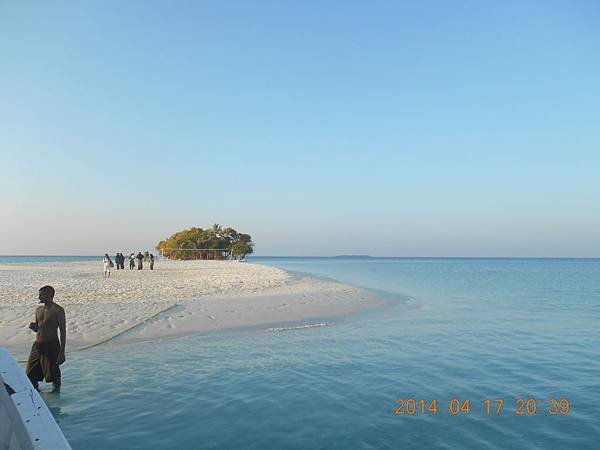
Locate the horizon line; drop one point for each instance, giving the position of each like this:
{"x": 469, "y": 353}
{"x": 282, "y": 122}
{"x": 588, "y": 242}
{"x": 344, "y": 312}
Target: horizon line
{"x": 347, "y": 256}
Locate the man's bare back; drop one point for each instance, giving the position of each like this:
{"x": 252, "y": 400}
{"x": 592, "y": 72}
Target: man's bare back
{"x": 47, "y": 321}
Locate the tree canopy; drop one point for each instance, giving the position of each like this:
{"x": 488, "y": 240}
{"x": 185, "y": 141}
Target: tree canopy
{"x": 213, "y": 243}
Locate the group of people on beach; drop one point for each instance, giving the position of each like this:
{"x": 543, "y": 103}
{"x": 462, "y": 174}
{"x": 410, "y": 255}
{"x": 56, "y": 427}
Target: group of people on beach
{"x": 120, "y": 260}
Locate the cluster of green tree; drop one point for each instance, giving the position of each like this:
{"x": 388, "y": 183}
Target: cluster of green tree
{"x": 212, "y": 243}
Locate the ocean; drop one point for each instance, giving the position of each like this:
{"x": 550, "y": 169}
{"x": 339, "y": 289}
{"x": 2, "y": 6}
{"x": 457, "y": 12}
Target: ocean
{"x": 473, "y": 353}
{"x": 33, "y": 259}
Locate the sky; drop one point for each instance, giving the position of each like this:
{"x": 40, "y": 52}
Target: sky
{"x": 387, "y": 128}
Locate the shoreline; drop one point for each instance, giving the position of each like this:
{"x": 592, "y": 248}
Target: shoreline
{"x": 177, "y": 299}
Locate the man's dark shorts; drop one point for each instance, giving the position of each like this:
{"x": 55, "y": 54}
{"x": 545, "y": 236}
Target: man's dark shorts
{"x": 43, "y": 362}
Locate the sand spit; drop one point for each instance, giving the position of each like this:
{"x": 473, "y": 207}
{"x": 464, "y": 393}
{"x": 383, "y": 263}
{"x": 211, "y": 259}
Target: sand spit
{"x": 177, "y": 298}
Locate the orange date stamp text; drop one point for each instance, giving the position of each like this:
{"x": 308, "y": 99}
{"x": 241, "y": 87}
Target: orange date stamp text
{"x": 488, "y": 407}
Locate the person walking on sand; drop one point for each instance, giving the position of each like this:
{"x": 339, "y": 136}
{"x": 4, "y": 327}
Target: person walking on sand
{"x": 122, "y": 260}
{"x": 118, "y": 261}
{"x": 47, "y": 352}
{"x": 151, "y": 261}
{"x": 140, "y": 258}
{"x": 107, "y": 265}
{"x": 131, "y": 262}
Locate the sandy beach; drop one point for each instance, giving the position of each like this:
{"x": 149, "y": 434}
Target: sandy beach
{"x": 177, "y": 298}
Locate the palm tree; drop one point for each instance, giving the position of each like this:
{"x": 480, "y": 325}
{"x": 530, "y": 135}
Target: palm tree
{"x": 216, "y": 229}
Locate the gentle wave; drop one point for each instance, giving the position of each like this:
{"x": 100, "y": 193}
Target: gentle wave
{"x": 300, "y": 327}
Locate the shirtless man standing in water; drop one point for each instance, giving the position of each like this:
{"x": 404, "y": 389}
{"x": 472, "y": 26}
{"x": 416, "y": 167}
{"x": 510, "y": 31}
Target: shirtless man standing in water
{"x": 47, "y": 352}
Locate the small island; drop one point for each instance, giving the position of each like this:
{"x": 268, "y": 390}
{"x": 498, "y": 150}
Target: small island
{"x": 213, "y": 243}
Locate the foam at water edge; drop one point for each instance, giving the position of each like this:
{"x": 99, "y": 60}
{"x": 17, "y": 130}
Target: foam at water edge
{"x": 300, "y": 327}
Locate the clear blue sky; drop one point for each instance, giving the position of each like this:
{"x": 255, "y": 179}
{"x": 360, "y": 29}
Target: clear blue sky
{"x": 319, "y": 127}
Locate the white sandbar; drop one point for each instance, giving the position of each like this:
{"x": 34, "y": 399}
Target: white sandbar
{"x": 209, "y": 296}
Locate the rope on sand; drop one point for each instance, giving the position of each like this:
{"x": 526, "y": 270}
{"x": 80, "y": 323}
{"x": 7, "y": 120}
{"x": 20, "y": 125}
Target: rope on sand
{"x": 116, "y": 335}
{"x": 110, "y": 338}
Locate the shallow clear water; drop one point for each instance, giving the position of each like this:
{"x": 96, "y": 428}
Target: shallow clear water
{"x": 474, "y": 329}
{"x": 8, "y": 259}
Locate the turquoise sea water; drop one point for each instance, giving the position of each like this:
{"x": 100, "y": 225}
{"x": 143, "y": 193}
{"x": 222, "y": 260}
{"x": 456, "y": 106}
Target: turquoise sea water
{"x": 33, "y": 259}
{"x": 473, "y": 329}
